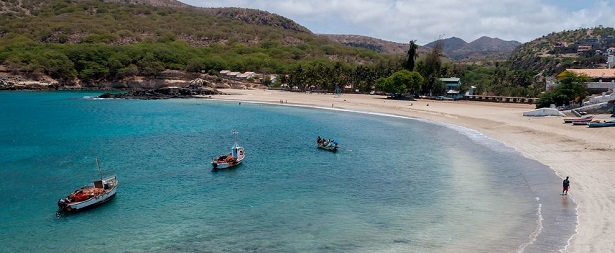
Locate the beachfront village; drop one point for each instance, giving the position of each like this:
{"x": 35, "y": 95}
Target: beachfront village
{"x": 598, "y": 81}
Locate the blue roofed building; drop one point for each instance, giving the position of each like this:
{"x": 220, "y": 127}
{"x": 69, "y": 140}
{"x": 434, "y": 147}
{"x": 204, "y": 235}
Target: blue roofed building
{"x": 453, "y": 87}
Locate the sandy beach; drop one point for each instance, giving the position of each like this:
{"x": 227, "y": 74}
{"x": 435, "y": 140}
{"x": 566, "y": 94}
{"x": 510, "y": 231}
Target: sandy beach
{"x": 585, "y": 154}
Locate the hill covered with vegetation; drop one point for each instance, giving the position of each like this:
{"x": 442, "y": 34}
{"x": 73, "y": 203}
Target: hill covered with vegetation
{"x": 87, "y": 42}
{"x": 551, "y": 54}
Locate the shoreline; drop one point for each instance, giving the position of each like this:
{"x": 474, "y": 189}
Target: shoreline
{"x": 576, "y": 151}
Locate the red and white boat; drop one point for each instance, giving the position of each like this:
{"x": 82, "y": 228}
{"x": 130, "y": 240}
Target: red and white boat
{"x": 88, "y": 196}
{"x": 232, "y": 159}
{"x": 587, "y": 118}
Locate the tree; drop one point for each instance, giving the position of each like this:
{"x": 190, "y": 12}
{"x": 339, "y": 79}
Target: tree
{"x": 412, "y": 54}
{"x": 430, "y": 68}
{"x": 572, "y": 87}
{"x": 400, "y": 82}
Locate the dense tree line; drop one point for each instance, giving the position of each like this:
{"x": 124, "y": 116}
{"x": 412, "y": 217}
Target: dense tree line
{"x": 97, "y": 62}
{"x": 328, "y": 76}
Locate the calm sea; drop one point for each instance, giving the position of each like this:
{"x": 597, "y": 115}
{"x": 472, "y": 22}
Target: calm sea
{"x": 397, "y": 184}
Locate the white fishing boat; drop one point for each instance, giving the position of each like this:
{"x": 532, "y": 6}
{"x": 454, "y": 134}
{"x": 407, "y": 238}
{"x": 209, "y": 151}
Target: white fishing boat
{"x": 88, "y": 196}
{"x": 232, "y": 159}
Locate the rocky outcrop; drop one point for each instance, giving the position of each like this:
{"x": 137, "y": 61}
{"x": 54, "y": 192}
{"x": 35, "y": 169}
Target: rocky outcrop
{"x": 22, "y": 84}
{"x": 163, "y": 93}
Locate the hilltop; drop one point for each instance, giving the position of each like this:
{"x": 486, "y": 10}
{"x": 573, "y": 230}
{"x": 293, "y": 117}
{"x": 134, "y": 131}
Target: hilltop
{"x": 128, "y": 21}
{"x": 378, "y": 45}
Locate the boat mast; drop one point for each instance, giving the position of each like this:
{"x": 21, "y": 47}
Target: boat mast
{"x": 235, "y": 137}
{"x": 99, "y": 172}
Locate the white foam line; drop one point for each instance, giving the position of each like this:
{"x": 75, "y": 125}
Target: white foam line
{"x": 576, "y": 228}
{"x": 534, "y": 235}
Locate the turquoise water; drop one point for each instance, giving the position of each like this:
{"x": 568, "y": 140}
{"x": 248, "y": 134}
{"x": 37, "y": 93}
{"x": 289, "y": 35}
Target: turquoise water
{"x": 397, "y": 184}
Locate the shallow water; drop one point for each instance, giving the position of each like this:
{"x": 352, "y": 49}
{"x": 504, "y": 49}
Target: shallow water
{"x": 397, "y": 184}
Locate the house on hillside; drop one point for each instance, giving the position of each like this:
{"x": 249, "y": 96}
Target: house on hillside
{"x": 584, "y": 50}
{"x": 593, "y": 42}
{"x": 246, "y": 75}
{"x": 453, "y": 87}
{"x": 233, "y": 74}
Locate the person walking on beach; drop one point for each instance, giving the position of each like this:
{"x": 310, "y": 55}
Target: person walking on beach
{"x": 566, "y": 185}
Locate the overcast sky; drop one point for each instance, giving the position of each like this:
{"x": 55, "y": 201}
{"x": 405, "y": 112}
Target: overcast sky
{"x": 428, "y": 20}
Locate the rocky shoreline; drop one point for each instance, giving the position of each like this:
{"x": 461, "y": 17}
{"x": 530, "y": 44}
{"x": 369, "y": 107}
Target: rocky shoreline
{"x": 163, "y": 93}
{"x": 172, "y": 84}
{"x": 135, "y": 93}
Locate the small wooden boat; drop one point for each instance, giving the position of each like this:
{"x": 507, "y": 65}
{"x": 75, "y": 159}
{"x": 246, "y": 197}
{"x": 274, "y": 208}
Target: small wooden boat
{"x": 601, "y": 124}
{"x": 232, "y": 159}
{"x": 88, "y": 196}
{"x": 330, "y": 145}
{"x": 587, "y": 118}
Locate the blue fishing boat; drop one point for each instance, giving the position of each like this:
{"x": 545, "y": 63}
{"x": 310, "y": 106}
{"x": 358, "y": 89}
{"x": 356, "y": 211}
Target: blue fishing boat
{"x": 327, "y": 144}
{"x": 601, "y": 124}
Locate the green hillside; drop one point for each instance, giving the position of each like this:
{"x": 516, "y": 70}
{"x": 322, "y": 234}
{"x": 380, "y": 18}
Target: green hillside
{"x": 89, "y": 41}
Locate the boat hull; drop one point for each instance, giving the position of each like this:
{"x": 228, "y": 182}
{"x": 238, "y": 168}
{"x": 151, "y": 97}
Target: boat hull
{"x": 580, "y": 123}
{"x": 224, "y": 165}
{"x": 97, "y": 193}
{"x": 90, "y": 203}
{"x": 328, "y": 148}
{"x": 578, "y": 119}
{"x": 220, "y": 162}
{"x": 606, "y": 124}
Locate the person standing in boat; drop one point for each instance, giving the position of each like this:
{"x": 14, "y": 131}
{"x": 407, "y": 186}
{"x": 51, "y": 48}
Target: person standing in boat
{"x": 566, "y": 185}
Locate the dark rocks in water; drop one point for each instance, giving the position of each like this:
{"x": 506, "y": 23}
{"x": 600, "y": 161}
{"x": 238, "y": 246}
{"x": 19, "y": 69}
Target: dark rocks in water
{"x": 162, "y": 93}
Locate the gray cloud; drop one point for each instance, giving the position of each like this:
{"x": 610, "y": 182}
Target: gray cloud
{"x": 427, "y": 20}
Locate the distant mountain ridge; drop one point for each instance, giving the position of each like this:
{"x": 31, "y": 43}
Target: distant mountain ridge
{"x": 378, "y": 45}
{"x": 482, "y": 48}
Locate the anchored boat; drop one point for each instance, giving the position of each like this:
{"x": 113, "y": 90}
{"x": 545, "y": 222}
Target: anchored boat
{"x": 88, "y": 196}
{"x": 330, "y": 145}
{"x": 232, "y": 159}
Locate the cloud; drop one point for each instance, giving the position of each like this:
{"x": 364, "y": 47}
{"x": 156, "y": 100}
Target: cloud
{"x": 427, "y": 20}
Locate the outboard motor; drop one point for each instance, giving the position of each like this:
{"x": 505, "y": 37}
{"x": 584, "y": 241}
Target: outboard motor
{"x": 62, "y": 203}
